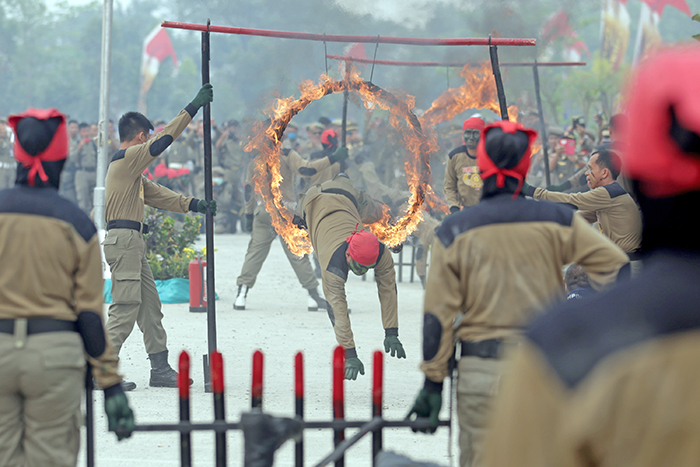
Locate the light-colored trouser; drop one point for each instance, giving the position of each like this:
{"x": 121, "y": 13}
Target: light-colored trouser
{"x": 84, "y": 189}
{"x": 258, "y": 248}
{"x": 134, "y": 294}
{"x": 477, "y": 384}
{"x": 42, "y": 380}
{"x": 7, "y": 176}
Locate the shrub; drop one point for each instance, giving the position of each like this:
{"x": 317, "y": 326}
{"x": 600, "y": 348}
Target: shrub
{"x": 169, "y": 243}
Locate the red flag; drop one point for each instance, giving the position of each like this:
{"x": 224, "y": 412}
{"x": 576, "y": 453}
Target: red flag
{"x": 156, "y": 48}
{"x": 658, "y": 5}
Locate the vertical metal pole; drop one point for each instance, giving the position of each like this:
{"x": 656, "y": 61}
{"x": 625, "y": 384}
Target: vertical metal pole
{"x": 377, "y": 400}
{"x": 257, "y": 386}
{"x": 299, "y": 406}
{"x": 89, "y": 418}
{"x": 183, "y": 383}
{"x": 346, "y": 95}
{"x": 493, "y": 53}
{"x": 103, "y": 137}
{"x": 208, "y": 195}
{"x": 217, "y": 383}
{"x": 339, "y": 398}
{"x": 543, "y": 126}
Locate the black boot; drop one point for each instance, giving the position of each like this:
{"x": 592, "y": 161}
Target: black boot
{"x": 128, "y": 386}
{"x": 162, "y": 374}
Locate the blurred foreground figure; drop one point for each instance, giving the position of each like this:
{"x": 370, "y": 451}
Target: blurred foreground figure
{"x": 50, "y": 306}
{"x": 613, "y": 380}
{"x": 495, "y": 266}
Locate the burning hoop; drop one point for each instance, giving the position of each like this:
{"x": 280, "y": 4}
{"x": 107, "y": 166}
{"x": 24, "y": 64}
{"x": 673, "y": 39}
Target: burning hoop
{"x": 267, "y": 141}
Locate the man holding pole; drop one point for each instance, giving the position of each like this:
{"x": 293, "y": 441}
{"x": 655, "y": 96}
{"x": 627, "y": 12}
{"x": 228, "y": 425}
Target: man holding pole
{"x": 462, "y": 181}
{"x": 127, "y": 191}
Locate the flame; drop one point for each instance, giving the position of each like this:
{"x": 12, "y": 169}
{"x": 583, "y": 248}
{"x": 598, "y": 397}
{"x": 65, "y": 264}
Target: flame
{"x": 268, "y": 178}
{"x": 477, "y": 92}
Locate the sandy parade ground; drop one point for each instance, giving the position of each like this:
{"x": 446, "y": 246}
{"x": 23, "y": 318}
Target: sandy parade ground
{"x": 277, "y": 322}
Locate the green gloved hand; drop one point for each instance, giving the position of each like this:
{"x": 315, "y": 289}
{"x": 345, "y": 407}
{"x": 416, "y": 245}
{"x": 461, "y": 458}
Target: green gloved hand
{"x": 353, "y": 366}
{"x": 393, "y": 345}
{"x": 561, "y": 187}
{"x": 427, "y": 405}
{"x": 528, "y": 190}
{"x": 339, "y": 155}
{"x": 249, "y": 222}
{"x": 119, "y": 414}
{"x": 204, "y": 96}
{"x": 202, "y": 205}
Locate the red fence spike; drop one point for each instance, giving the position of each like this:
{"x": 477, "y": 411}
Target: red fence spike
{"x": 257, "y": 386}
{"x": 378, "y": 383}
{"x": 299, "y": 375}
{"x": 217, "y": 372}
{"x": 183, "y": 375}
{"x": 339, "y": 38}
{"x": 338, "y": 381}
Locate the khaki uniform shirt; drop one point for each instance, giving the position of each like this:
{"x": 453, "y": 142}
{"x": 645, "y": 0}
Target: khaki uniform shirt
{"x": 611, "y": 206}
{"x": 52, "y": 266}
{"x": 611, "y": 380}
{"x": 333, "y": 210}
{"x": 87, "y": 156}
{"x": 127, "y": 191}
{"x": 498, "y": 264}
{"x": 462, "y": 179}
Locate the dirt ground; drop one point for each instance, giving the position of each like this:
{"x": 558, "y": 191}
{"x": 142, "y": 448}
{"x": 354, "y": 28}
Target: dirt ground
{"x": 277, "y": 322}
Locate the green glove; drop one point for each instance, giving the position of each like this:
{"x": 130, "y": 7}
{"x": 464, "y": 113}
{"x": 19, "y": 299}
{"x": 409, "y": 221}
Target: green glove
{"x": 249, "y": 222}
{"x": 393, "y": 345}
{"x": 119, "y": 415}
{"x": 427, "y": 405}
{"x": 353, "y": 366}
{"x": 339, "y": 155}
{"x": 528, "y": 190}
{"x": 561, "y": 187}
{"x": 203, "y": 204}
{"x": 204, "y": 96}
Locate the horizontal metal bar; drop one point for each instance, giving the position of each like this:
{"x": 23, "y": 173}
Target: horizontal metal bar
{"x": 344, "y": 38}
{"x": 446, "y": 64}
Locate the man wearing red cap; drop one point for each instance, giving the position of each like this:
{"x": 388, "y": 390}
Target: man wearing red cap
{"x": 335, "y": 213}
{"x": 51, "y": 315}
{"x": 462, "y": 181}
{"x": 495, "y": 267}
{"x": 613, "y": 380}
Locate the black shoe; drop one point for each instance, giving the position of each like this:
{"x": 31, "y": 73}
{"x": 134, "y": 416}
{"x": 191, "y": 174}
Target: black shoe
{"x": 128, "y": 386}
{"x": 162, "y": 374}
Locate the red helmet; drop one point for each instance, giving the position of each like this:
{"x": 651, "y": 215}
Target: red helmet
{"x": 363, "y": 247}
{"x": 473, "y": 123}
{"x": 329, "y": 138}
{"x": 661, "y": 139}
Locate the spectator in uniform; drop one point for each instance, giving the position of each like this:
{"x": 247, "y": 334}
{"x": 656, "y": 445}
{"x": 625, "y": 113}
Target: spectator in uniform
{"x": 462, "y": 180}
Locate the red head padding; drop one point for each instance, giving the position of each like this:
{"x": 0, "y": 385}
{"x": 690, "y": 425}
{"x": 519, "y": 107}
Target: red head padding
{"x": 38, "y": 140}
{"x": 505, "y": 148}
{"x": 329, "y": 138}
{"x": 660, "y": 139}
{"x": 363, "y": 247}
{"x": 473, "y": 123}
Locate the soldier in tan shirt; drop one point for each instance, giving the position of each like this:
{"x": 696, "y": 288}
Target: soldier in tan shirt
{"x": 495, "y": 267}
{"x": 127, "y": 191}
{"x": 462, "y": 180}
{"x": 51, "y": 316}
{"x": 335, "y": 213}
{"x": 607, "y": 203}
{"x": 613, "y": 380}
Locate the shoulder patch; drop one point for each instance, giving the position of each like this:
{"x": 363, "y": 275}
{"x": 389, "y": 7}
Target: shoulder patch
{"x": 46, "y": 202}
{"x": 577, "y": 335}
{"x": 286, "y": 151}
{"x": 615, "y": 190}
{"x": 307, "y": 171}
{"x": 160, "y": 145}
{"x": 118, "y": 155}
{"x": 457, "y": 150}
{"x": 338, "y": 265}
{"x": 501, "y": 210}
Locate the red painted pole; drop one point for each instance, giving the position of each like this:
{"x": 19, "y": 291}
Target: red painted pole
{"x": 342, "y": 38}
{"x": 339, "y": 397}
{"x": 183, "y": 384}
{"x": 299, "y": 403}
{"x": 445, "y": 64}
{"x": 217, "y": 384}
{"x": 257, "y": 387}
{"x": 377, "y": 400}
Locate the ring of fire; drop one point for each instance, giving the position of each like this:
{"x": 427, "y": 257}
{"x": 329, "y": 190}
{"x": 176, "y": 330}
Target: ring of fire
{"x": 268, "y": 141}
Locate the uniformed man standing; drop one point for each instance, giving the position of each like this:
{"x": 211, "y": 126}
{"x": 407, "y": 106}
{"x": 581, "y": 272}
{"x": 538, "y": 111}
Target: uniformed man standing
{"x": 263, "y": 233}
{"x": 50, "y": 307}
{"x": 494, "y": 267}
{"x": 607, "y": 203}
{"x": 462, "y": 181}
{"x": 7, "y": 162}
{"x": 613, "y": 379}
{"x": 67, "y": 189}
{"x": 85, "y": 174}
{"x": 127, "y": 191}
{"x": 334, "y": 213}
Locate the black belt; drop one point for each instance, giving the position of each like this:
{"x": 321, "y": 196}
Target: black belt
{"x": 489, "y": 348}
{"x": 126, "y": 224}
{"x": 39, "y": 325}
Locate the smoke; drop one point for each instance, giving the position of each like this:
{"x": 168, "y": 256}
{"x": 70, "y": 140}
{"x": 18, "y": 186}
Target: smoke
{"x": 413, "y": 14}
